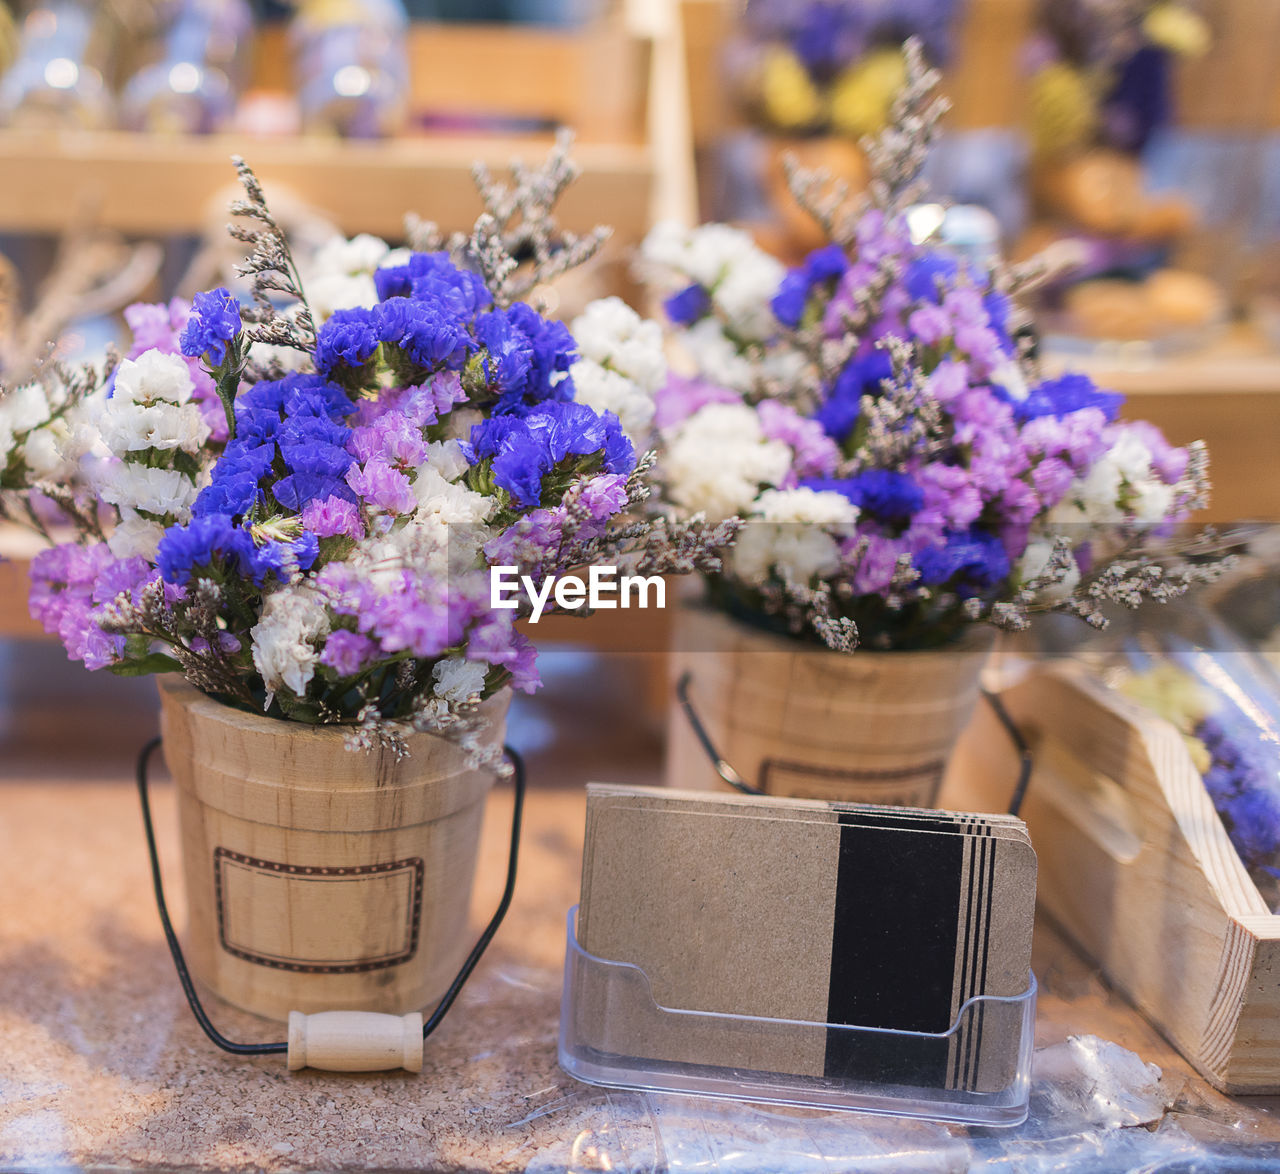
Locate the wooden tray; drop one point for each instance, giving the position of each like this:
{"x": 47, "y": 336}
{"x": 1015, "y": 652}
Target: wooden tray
{"x": 1136, "y": 866}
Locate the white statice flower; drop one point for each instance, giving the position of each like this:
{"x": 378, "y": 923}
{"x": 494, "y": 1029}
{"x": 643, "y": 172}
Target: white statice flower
{"x": 448, "y": 501}
{"x": 340, "y": 274}
{"x": 622, "y": 365}
{"x": 162, "y": 492}
{"x": 612, "y": 334}
{"x": 740, "y": 277}
{"x": 135, "y": 536}
{"x": 127, "y": 427}
{"x": 715, "y": 357}
{"x": 445, "y": 457}
{"x": 1035, "y": 561}
{"x": 21, "y": 410}
{"x": 718, "y": 460}
{"x": 284, "y": 639}
{"x": 45, "y": 451}
{"x": 794, "y": 533}
{"x": 1121, "y": 486}
{"x": 458, "y": 680}
{"x": 328, "y": 292}
{"x": 151, "y": 406}
{"x": 152, "y": 377}
{"x": 744, "y": 294}
{"x": 364, "y": 253}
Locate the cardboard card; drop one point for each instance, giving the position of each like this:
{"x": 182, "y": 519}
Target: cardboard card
{"x": 796, "y": 910}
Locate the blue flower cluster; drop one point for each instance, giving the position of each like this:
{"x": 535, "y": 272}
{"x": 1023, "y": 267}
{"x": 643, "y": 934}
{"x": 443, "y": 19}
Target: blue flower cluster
{"x": 887, "y": 495}
{"x": 822, "y": 265}
{"x": 527, "y": 357}
{"x": 214, "y": 322}
{"x": 1244, "y": 783}
{"x": 434, "y": 276}
{"x": 212, "y": 542}
{"x": 289, "y": 449}
{"x": 865, "y": 375}
{"x": 523, "y": 449}
{"x": 435, "y": 317}
{"x": 687, "y": 305}
{"x": 1059, "y": 397}
{"x": 972, "y": 560}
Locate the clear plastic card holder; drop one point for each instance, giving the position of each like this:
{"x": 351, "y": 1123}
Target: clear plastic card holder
{"x": 613, "y": 1033}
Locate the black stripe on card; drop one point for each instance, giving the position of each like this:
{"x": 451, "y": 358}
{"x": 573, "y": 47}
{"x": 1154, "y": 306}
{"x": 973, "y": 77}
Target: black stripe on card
{"x": 893, "y": 953}
{"x": 966, "y": 947}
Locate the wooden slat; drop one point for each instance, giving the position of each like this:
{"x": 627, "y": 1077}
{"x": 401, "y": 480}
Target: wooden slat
{"x": 149, "y": 184}
{"x": 592, "y": 79}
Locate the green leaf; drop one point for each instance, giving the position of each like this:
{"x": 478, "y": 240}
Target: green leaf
{"x": 156, "y": 662}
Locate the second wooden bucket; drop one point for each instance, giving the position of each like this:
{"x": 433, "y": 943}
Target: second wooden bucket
{"x": 320, "y": 878}
{"x": 797, "y": 719}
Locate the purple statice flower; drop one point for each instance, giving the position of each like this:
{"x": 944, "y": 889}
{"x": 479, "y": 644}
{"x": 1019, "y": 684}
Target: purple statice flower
{"x": 951, "y": 500}
{"x": 1052, "y": 477}
{"x": 881, "y": 494}
{"x": 427, "y": 330}
{"x": 495, "y": 640}
{"x": 347, "y": 339}
{"x": 532, "y": 542}
{"x": 680, "y": 397}
{"x": 816, "y": 454}
{"x": 423, "y": 404}
{"x": 605, "y": 495}
{"x": 332, "y": 517}
{"x": 347, "y": 653}
{"x": 381, "y": 486}
{"x": 821, "y": 267}
{"x": 948, "y": 380}
{"x": 63, "y": 579}
{"x": 213, "y": 323}
{"x": 156, "y": 326}
{"x": 874, "y": 569}
{"x": 1078, "y": 438}
{"x": 392, "y": 435}
{"x": 929, "y": 325}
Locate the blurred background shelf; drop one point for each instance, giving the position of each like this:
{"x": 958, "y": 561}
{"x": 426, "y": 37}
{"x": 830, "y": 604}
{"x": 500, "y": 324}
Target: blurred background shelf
{"x": 148, "y": 184}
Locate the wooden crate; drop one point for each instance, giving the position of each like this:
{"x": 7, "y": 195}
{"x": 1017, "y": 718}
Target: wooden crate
{"x": 1136, "y": 866}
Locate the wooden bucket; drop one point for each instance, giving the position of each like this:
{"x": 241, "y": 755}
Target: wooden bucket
{"x": 320, "y": 878}
{"x": 795, "y": 719}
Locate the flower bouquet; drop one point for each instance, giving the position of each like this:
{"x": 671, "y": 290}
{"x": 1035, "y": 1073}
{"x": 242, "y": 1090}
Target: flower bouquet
{"x": 298, "y": 516}
{"x": 905, "y": 470}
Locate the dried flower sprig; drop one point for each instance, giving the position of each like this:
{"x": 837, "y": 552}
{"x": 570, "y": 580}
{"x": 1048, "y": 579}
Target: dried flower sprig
{"x": 517, "y": 243}
{"x": 271, "y": 267}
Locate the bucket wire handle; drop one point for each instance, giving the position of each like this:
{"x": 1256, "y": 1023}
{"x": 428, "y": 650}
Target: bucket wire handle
{"x": 335, "y": 1035}
{"x": 727, "y": 772}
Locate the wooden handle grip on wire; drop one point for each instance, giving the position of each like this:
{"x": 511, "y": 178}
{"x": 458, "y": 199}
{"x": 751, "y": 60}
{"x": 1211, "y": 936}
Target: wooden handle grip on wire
{"x": 355, "y": 1041}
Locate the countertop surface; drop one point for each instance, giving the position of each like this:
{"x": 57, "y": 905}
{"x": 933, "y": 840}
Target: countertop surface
{"x": 102, "y": 1065}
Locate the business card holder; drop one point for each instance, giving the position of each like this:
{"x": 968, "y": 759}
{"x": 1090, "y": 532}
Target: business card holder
{"x": 612, "y": 1033}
